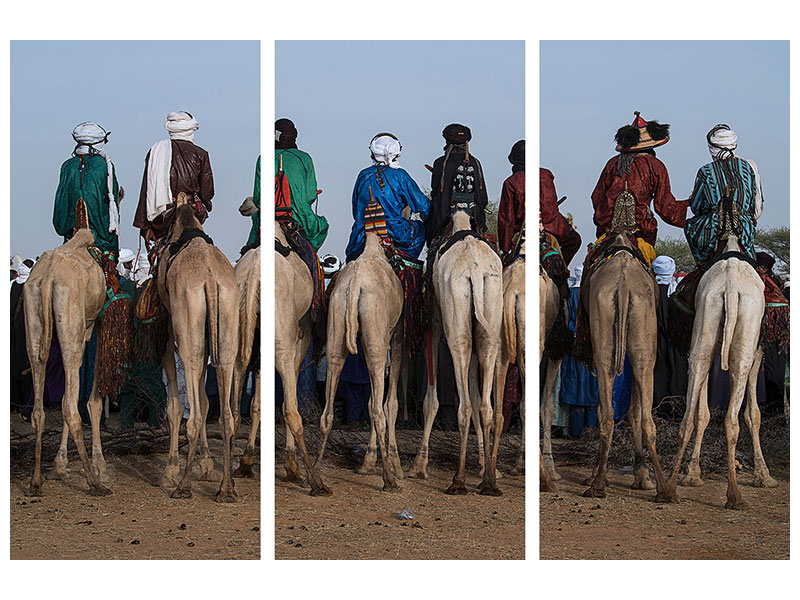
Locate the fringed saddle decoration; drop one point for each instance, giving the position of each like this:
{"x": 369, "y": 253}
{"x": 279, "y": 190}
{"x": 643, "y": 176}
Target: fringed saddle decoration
{"x": 115, "y": 336}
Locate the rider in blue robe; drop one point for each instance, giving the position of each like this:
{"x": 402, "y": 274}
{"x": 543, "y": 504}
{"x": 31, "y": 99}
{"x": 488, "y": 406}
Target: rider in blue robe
{"x": 393, "y": 188}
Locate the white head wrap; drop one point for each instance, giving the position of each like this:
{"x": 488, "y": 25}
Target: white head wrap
{"x": 181, "y": 126}
{"x": 87, "y": 135}
{"x": 575, "y": 280}
{"x": 721, "y": 142}
{"x": 385, "y": 149}
{"x": 330, "y": 264}
{"x": 23, "y": 271}
{"x": 664, "y": 268}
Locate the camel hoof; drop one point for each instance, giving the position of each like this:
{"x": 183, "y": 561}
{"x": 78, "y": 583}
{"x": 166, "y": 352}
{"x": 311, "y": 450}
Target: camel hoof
{"x": 362, "y": 470}
{"x": 391, "y": 486}
{"x": 34, "y": 490}
{"x": 547, "y": 486}
{"x": 644, "y": 484}
{"x": 57, "y": 475}
{"x": 99, "y": 490}
{"x": 294, "y": 477}
{"x": 736, "y": 504}
{"x": 517, "y": 470}
{"x": 594, "y": 493}
{"x": 180, "y": 493}
{"x": 211, "y": 475}
{"x": 669, "y": 496}
{"x": 692, "y": 481}
{"x": 245, "y": 471}
{"x": 486, "y": 489}
{"x": 762, "y": 481}
{"x": 419, "y": 474}
{"x": 170, "y": 477}
{"x": 225, "y": 497}
{"x": 456, "y": 489}
{"x": 320, "y": 490}
{"x": 588, "y": 481}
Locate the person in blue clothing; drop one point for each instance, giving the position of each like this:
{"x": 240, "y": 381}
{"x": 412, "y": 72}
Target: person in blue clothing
{"x": 394, "y": 189}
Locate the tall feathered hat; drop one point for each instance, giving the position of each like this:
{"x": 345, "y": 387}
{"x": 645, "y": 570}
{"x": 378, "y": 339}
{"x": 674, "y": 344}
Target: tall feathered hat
{"x": 641, "y": 135}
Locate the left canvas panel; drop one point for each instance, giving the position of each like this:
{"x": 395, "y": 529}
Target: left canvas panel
{"x": 135, "y": 272}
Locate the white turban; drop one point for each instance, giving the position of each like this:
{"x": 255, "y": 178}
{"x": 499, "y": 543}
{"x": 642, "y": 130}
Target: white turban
{"x": 23, "y": 271}
{"x": 664, "y": 268}
{"x": 385, "y": 150}
{"x": 126, "y": 255}
{"x": 181, "y": 126}
{"x": 575, "y": 280}
{"x": 330, "y": 264}
{"x": 88, "y": 134}
{"x": 721, "y": 142}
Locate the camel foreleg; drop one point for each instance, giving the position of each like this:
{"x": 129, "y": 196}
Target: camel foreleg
{"x": 430, "y": 405}
{"x": 546, "y": 413}
{"x": 248, "y": 458}
{"x": 391, "y": 406}
{"x": 38, "y": 422}
{"x": 174, "y": 413}
{"x": 60, "y": 463}
{"x": 95, "y": 406}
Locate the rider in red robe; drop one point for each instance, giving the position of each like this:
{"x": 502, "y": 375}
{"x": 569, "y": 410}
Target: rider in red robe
{"x": 553, "y": 222}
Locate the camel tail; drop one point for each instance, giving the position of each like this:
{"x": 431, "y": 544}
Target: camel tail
{"x": 351, "y": 315}
{"x": 247, "y": 327}
{"x": 730, "y": 314}
{"x": 212, "y": 314}
{"x": 510, "y": 324}
{"x": 46, "y": 314}
{"x": 621, "y": 301}
{"x": 476, "y": 280}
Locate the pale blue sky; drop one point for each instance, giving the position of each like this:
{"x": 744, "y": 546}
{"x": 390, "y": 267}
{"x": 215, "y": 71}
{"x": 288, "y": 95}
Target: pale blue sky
{"x": 340, "y": 94}
{"x": 128, "y": 88}
{"x": 590, "y": 89}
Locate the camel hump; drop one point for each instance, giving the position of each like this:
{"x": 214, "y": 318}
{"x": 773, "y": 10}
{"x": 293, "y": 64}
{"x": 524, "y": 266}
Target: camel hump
{"x": 83, "y": 238}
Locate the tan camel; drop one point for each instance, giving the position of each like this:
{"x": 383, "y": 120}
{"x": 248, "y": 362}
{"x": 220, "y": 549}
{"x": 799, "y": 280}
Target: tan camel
{"x": 549, "y": 306}
{"x": 65, "y": 292}
{"x": 431, "y": 401}
{"x": 512, "y": 346}
{"x": 248, "y": 279}
{"x": 622, "y": 316}
{"x": 199, "y": 291}
{"x": 730, "y": 306}
{"x": 294, "y": 290}
{"x": 467, "y": 280}
{"x": 368, "y": 299}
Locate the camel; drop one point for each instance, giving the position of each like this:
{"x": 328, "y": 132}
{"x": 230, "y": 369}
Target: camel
{"x": 294, "y": 290}
{"x": 65, "y": 293}
{"x": 512, "y": 347}
{"x": 549, "y": 306}
{"x": 198, "y": 289}
{"x": 622, "y": 316}
{"x": 729, "y": 309}
{"x": 248, "y": 278}
{"x": 368, "y": 298}
{"x": 467, "y": 280}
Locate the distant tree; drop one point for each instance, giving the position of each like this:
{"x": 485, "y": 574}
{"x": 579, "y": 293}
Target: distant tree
{"x": 491, "y": 217}
{"x": 775, "y": 241}
{"x": 678, "y": 250}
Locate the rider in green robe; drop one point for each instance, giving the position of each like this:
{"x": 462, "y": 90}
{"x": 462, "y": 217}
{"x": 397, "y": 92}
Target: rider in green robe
{"x": 256, "y": 216}
{"x": 299, "y": 170}
{"x": 90, "y": 175}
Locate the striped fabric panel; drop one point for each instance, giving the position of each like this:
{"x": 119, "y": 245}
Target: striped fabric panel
{"x": 375, "y": 220}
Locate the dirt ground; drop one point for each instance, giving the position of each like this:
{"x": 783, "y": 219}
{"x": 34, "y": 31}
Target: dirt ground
{"x": 627, "y": 524}
{"x": 359, "y": 521}
{"x": 139, "y": 520}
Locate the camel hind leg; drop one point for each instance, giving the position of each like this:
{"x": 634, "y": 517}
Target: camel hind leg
{"x": 60, "y": 463}
{"x": 492, "y": 425}
{"x": 461, "y": 355}
{"x": 546, "y": 414}
{"x": 752, "y": 416}
{"x": 169, "y": 478}
{"x": 38, "y": 421}
{"x": 391, "y": 405}
{"x": 95, "y": 406}
{"x": 248, "y": 457}
{"x": 193, "y": 371}
{"x": 693, "y": 475}
{"x": 430, "y": 404}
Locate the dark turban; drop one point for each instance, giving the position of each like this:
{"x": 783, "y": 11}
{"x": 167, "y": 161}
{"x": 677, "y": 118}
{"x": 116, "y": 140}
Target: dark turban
{"x": 765, "y": 260}
{"x": 288, "y": 134}
{"x": 456, "y": 134}
{"x": 517, "y": 156}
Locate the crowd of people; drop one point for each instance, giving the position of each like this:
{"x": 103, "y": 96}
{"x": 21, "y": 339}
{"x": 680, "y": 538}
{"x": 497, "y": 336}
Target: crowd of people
{"x": 89, "y": 196}
{"x": 387, "y": 200}
{"x": 636, "y": 178}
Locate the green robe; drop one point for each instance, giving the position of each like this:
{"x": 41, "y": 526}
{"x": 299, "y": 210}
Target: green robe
{"x": 94, "y": 193}
{"x": 257, "y": 201}
{"x": 299, "y": 171}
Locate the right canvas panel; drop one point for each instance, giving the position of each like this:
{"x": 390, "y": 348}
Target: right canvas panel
{"x": 664, "y": 211}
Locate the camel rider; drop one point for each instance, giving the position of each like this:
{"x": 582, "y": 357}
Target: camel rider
{"x": 553, "y": 222}
{"x": 727, "y": 174}
{"x": 457, "y": 180}
{"x": 89, "y": 176}
{"x": 511, "y": 215}
{"x": 173, "y": 166}
{"x": 636, "y": 172}
{"x": 299, "y": 171}
{"x": 393, "y": 189}
{"x": 254, "y": 239}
